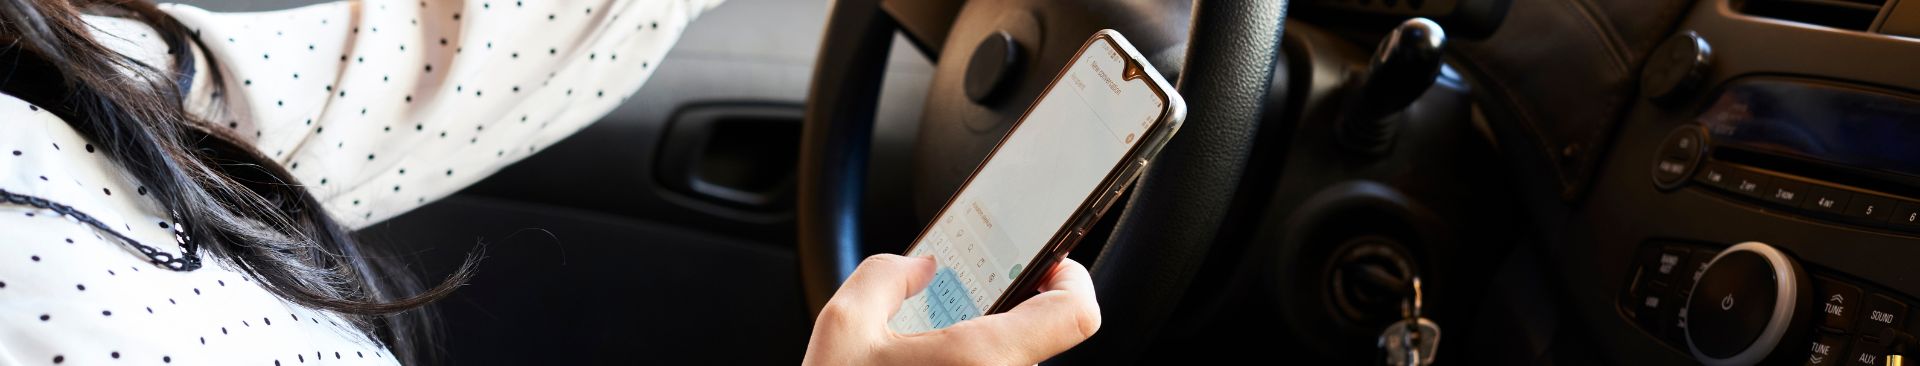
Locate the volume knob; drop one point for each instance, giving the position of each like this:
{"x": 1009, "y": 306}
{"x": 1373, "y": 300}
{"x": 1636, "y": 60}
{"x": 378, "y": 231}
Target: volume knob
{"x": 1748, "y": 303}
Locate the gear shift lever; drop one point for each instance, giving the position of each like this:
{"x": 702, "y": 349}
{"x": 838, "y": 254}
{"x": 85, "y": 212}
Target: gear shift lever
{"x": 1403, "y": 67}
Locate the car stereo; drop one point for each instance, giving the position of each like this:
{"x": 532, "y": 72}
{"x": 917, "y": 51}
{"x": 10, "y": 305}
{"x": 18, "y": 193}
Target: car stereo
{"x": 1839, "y": 153}
{"x": 1833, "y": 153}
{"x": 1850, "y": 320}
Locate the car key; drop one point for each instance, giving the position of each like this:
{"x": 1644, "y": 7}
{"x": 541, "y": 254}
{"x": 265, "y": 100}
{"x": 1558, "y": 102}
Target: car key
{"x": 1411, "y": 341}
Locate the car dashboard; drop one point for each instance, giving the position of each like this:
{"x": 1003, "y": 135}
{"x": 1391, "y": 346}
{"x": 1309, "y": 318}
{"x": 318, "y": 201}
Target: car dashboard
{"x": 1769, "y": 124}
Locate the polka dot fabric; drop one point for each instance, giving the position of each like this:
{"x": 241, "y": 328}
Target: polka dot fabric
{"x": 380, "y": 106}
{"x": 376, "y": 107}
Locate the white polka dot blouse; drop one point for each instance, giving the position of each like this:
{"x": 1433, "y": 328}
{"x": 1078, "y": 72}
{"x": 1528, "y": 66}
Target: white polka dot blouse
{"x": 376, "y": 107}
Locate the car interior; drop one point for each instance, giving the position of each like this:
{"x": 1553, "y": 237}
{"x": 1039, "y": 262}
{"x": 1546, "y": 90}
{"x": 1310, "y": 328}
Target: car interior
{"x": 1553, "y": 182}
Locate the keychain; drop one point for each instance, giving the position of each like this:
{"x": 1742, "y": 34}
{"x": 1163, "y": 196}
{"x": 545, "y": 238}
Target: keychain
{"x": 1411, "y": 341}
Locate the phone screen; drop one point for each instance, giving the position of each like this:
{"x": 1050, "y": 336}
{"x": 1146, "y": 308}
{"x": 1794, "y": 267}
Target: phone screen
{"x": 1033, "y": 183}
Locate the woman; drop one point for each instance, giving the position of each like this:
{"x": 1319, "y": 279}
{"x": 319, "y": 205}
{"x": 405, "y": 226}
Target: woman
{"x": 183, "y": 183}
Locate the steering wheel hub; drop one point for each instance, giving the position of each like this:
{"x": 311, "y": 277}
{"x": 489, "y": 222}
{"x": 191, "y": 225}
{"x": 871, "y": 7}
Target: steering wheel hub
{"x": 997, "y": 57}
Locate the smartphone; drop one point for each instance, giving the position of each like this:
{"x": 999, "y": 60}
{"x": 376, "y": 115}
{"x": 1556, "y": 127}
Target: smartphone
{"x": 1091, "y": 133}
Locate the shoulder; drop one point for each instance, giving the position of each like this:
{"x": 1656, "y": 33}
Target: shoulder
{"x": 51, "y": 160}
{"x": 72, "y": 293}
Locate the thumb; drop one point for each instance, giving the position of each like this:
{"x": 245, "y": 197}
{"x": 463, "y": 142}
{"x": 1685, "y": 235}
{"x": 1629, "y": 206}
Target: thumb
{"x": 1062, "y": 316}
{"x": 875, "y": 291}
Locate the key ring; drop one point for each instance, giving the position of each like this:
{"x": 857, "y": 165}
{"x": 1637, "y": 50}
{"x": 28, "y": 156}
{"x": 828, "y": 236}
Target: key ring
{"x": 1411, "y": 309}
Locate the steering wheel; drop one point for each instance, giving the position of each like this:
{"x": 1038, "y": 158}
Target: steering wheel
{"x": 1224, "y": 52}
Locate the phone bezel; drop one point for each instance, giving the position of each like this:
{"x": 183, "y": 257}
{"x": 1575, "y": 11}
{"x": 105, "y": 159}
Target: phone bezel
{"x": 1098, "y": 200}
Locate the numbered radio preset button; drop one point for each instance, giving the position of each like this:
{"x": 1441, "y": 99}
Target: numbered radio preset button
{"x": 1750, "y": 184}
{"x": 1870, "y": 207}
{"x": 1906, "y": 215}
{"x": 1826, "y": 199}
{"x": 1786, "y": 192}
{"x": 1713, "y": 175}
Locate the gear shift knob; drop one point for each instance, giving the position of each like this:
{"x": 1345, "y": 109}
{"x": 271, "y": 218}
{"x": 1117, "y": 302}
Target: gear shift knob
{"x": 1402, "y": 68}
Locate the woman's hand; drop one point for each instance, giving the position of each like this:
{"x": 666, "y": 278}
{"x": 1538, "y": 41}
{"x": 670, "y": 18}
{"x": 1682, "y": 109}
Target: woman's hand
{"x": 852, "y": 328}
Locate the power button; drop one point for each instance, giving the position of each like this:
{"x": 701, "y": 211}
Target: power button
{"x": 1742, "y": 309}
{"x": 1678, "y": 155}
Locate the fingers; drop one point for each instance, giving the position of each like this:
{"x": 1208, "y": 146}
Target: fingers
{"x": 1061, "y": 316}
{"x": 875, "y": 290}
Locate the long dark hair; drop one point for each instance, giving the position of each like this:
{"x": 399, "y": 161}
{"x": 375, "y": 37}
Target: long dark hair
{"x": 242, "y": 208}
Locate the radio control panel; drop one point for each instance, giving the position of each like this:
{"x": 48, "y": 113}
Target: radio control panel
{"x": 1684, "y": 159}
{"x": 1811, "y": 197}
{"x": 1844, "y": 322}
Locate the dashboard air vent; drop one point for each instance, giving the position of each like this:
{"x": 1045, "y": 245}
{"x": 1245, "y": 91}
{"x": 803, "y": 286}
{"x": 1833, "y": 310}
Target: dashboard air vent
{"x": 1844, "y": 14}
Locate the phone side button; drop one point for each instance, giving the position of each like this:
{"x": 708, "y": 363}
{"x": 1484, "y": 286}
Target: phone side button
{"x": 1106, "y": 200}
{"x": 1068, "y": 242}
{"x": 1133, "y": 170}
{"x": 1080, "y": 225}
{"x": 1129, "y": 173}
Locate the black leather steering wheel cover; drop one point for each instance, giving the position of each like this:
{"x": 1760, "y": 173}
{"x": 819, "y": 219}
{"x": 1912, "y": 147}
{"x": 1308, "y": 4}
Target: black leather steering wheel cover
{"x": 1179, "y": 204}
{"x": 835, "y": 139}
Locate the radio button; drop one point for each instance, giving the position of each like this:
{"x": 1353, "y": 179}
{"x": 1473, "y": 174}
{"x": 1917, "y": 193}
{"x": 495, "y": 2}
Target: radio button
{"x": 1683, "y": 143}
{"x": 1882, "y": 313}
{"x": 1652, "y": 308}
{"x": 1677, "y": 156}
{"x": 1697, "y": 265}
{"x": 1866, "y": 352}
{"x": 1750, "y": 184}
{"x": 1839, "y": 302}
{"x": 1671, "y": 262}
{"x": 1907, "y": 215}
{"x": 1870, "y": 207}
{"x": 1669, "y": 171}
{"x": 1748, "y": 307}
{"x": 1786, "y": 192}
{"x": 1826, "y": 199}
{"x": 1714, "y": 175}
{"x": 1827, "y": 351}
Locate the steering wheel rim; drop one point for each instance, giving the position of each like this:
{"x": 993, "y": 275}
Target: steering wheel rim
{"x": 1171, "y": 219}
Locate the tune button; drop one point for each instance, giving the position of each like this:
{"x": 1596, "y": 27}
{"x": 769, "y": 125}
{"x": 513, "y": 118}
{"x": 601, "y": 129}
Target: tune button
{"x": 1827, "y": 350}
{"x": 1839, "y": 302}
